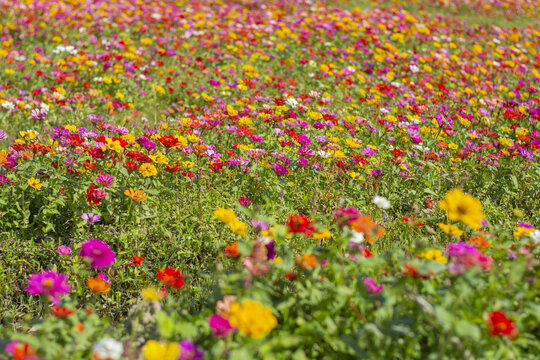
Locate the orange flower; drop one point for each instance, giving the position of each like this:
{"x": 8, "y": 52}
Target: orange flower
{"x": 98, "y": 285}
{"x": 232, "y": 250}
{"x": 135, "y": 195}
{"x": 307, "y": 261}
{"x": 366, "y": 226}
{"x": 479, "y": 241}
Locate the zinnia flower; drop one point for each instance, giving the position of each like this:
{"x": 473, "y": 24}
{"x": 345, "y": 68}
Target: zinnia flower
{"x": 188, "y": 351}
{"x": 300, "y": 224}
{"x": 147, "y": 170}
{"x": 372, "y": 286}
{"x": 98, "y": 285}
{"x": 98, "y": 252}
{"x": 135, "y": 195}
{"x": 63, "y": 250}
{"x": 252, "y": 318}
{"x": 50, "y": 284}
{"x": 220, "y": 326}
{"x": 463, "y": 207}
{"x": 501, "y": 325}
{"x": 154, "y": 350}
{"x": 91, "y": 217}
{"x": 107, "y": 349}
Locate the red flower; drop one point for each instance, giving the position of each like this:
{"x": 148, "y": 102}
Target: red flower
{"x": 171, "y": 277}
{"x": 501, "y": 325}
{"x": 137, "y": 260}
{"x": 300, "y": 224}
{"x": 131, "y": 166}
{"x": 168, "y": 141}
{"x": 61, "y": 312}
{"x": 94, "y": 195}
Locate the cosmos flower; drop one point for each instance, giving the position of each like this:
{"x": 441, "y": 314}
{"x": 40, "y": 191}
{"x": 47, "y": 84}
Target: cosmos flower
{"x": 91, "y": 217}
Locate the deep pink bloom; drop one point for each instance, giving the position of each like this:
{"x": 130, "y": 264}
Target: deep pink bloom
{"x": 372, "y": 286}
{"x": 244, "y": 201}
{"x": 99, "y": 252}
{"x": 105, "y": 179}
{"x": 64, "y": 250}
{"x": 220, "y": 326}
{"x": 48, "y": 283}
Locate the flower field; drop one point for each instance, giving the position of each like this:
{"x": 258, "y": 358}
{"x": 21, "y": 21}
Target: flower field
{"x": 244, "y": 179}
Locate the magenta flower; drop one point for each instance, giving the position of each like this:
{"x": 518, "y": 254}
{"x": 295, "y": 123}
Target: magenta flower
{"x": 50, "y": 284}
{"x": 372, "y": 286}
{"x": 63, "y": 250}
{"x": 244, "y": 201}
{"x": 189, "y": 351}
{"x": 99, "y": 253}
{"x": 105, "y": 179}
{"x": 220, "y": 326}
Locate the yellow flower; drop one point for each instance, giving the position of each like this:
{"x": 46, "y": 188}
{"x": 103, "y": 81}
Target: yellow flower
{"x": 113, "y": 145}
{"x": 522, "y": 231}
{"x": 322, "y": 234}
{"x": 463, "y": 207}
{"x": 225, "y": 215}
{"x": 35, "y": 183}
{"x": 154, "y": 350}
{"x": 435, "y": 255}
{"x": 151, "y": 294}
{"x": 147, "y": 169}
{"x": 238, "y": 227}
{"x": 450, "y": 229}
{"x": 135, "y": 195}
{"x": 252, "y": 318}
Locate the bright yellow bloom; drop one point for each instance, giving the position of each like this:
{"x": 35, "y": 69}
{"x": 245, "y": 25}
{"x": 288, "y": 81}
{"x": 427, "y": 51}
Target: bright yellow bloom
{"x": 238, "y": 227}
{"x": 154, "y": 350}
{"x": 463, "y": 207}
{"x": 225, "y": 215}
{"x": 113, "y": 145}
{"x": 147, "y": 169}
{"x": 435, "y": 255}
{"x": 135, "y": 195}
{"x": 151, "y": 294}
{"x": 252, "y": 318}
{"x": 323, "y": 234}
{"x": 522, "y": 231}
{"x": 450, "y": 229}
{"x": 35, "y": 183}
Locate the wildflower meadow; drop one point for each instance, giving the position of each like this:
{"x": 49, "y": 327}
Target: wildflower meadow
{"x": 248, "y": 179}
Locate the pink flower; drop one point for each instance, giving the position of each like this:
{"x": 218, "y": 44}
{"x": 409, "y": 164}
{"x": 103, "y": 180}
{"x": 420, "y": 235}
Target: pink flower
{"x": 244, "y": 201}
{"x": 372, "y": 286}
{"x": 105, "y": 179}
{"x": 98, "y": 252}
{"x": 220, "y": 326}
{"x": 64, "y": 250}
{"x": 48, "y": 283}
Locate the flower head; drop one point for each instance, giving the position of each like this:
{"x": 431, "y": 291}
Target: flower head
{"x": 147, "y": 170}
{"x": 35, "y": 183}
{"x": 220, "y": 326}
{"x": 50, "y": 284}
{"x": 501, "y": 325}
{"x": 98, "y": 285}
{"x": 300, "y": 224}
{"x": 463, "y": 207}
{"x": 154, "y": 350}
{"x": 252, "y": 318}
{"x": 91, "y": 217}
{"x": 99, "y": 254}
{"x": 63, "y": 250}
{"x": 188, "y": 351}
{"x": 135, "y": 195}
{"x": 171, "y": 277}
{"x": 372, "y": 286}
{"x": 381, "y": 202}
{"x": 107, "y": 349}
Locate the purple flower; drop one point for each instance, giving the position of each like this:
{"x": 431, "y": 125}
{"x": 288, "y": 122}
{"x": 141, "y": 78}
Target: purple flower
{"x": 63, "y": 250}
{"x": 105, "y": 179}
{"x": 270, "y": 250}
{"x": 91, "y": 218}
{"x": 220, "y": 326}
{"x": 3, "y": 134}
{"x": 372, "y": 286}
{"x": 279, "y": 169}
{"x": 48, "y": 283}
{"x": 302, "y": 162}
{"x": 188, "y": 351}
{"x": 99, "y": 253}
{"x": 259, "y": 225}
{"x": 376, "y": 173}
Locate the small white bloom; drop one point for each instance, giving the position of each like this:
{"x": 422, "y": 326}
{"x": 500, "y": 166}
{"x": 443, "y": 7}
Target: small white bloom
{"x": 414, "y": 68}
{"x": 381, "y": 202}
{"x": 108, "y": 348}
{"x": 357, "y": 238}
{"x": 291, "y": 102}
{"x": 535, "y": 235}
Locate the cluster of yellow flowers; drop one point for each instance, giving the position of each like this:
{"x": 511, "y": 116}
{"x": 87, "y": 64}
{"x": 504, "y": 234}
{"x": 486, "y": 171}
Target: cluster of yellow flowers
{"x": 251, "y": 318}
{"x": 154, "y": 350}
{"x": 435, "y": 255}
{"x": 228, "y": 217}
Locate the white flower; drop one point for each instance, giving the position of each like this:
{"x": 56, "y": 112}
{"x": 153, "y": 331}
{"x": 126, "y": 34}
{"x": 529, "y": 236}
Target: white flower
{"x": 414, "y": 68}
{"x": 381, "y": 202}
{"x": 8, "y": 105}
{"x": 535, "y": 235}
{"x": 357, "y": 238}
{"x": 108, "y": 348}
{"x": 291, "y": 102}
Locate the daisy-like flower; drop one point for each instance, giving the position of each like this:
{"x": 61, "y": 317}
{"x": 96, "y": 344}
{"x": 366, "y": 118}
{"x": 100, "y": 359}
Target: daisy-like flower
{"x": 63, "y": 250}
{"x": 105, "y": 179}
{"x": 91, "y": 217}
{"x": 98, "y": 285}
{"x": 188, "y": 351}
{"x": 50, "y": 284}
{"x": 35, "y": 183}
{"x": 135, "y": 195}
{"x": 463, "y": 207}
{"x": 99, "y": 254}
{"x": 107, "y": 348}
{"x": 147, "y": 170}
